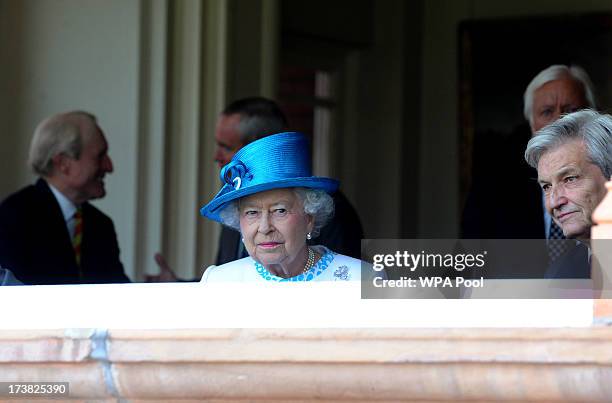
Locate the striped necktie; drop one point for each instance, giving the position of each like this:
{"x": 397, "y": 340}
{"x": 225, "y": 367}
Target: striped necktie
{"x": 77, "y": 239}
{"x": 557, "y": 245}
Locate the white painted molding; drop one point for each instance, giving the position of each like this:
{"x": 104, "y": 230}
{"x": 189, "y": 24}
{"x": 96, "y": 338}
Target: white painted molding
{"x": 184, "y": 133}
{"x": 151, "y": 176}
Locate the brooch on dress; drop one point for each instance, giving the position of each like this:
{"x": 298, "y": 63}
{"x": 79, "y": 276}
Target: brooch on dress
{"x": 342, "y": 273}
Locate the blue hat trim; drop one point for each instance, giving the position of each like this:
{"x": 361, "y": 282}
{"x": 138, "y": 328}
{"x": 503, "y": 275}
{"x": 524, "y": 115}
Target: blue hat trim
{"x": 273, "y": 162}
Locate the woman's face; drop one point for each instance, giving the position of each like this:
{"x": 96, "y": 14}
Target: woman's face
{"x": 274, "y": 228}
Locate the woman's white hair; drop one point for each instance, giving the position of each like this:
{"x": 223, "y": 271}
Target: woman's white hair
{"x": 593, "y": 128}
{"x": 315, "y": 202}
{"x": 552, "y": 73}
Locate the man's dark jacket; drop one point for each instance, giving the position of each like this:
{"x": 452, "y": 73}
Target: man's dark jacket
{"x": 572, "y": 264}
{"x": 36, "y": 246}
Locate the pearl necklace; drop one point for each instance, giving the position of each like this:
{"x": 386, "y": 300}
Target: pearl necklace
{"x": 310, "y": 261}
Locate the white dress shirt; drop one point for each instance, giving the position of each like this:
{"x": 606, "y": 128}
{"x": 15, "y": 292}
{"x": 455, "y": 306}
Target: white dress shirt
{"x": 68, "y": 209}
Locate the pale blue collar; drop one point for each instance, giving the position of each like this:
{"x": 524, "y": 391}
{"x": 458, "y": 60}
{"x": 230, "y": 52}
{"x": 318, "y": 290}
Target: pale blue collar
{"x": 315, "y": 271}
{"x": 68, "y": 207}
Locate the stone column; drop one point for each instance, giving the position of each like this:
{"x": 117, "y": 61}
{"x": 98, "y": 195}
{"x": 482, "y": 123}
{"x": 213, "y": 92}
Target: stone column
{"x": 601, "y": 239}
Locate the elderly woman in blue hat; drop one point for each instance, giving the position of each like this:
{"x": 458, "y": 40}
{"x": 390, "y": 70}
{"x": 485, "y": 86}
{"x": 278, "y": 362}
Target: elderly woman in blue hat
{"x": 271, "y": 197}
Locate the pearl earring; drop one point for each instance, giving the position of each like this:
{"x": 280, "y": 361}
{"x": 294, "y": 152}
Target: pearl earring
{"x": 308, "y": 236}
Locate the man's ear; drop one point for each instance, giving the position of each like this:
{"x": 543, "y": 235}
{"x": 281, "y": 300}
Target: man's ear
{"x": 61, "y": 163}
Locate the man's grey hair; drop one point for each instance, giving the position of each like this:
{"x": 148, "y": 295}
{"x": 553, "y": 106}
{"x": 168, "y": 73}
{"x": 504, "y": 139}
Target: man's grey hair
{"x": 315, "y": 202}
{"x": 593, "y": 128}
{"x": 556, "y": 72}
{"x": 259, "y": 117}
{"x": 59, "y": 134}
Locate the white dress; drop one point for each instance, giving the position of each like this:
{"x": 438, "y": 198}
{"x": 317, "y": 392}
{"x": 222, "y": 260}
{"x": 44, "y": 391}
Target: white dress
{"x": 330, "y": 267}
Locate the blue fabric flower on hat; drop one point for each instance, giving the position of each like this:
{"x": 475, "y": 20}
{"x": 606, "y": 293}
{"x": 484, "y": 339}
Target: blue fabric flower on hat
{"x": 234, "y": 173}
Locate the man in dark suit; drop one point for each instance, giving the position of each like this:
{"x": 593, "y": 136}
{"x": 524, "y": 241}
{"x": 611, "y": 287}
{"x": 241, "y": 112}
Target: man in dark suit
{"x": 505, "y": 201}
{"x": 49, "y": 233}
{"x": 573, "y": 157}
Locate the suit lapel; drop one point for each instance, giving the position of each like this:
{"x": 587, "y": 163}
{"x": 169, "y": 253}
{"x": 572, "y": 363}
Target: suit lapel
{"x": 52, "y": 219}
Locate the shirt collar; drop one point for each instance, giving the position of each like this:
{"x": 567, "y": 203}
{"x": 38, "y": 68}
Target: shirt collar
{"x": 68, "y": 207}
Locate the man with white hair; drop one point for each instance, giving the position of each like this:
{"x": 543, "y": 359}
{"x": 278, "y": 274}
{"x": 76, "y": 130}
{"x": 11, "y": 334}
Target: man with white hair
{"x": 573, "y": 157}
{"x": 555, "y": 91}
{"x": 506, "y": 202}
{"x": 49, "y": 233}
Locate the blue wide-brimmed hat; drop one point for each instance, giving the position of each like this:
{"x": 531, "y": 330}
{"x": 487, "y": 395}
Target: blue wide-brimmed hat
{"x": 273, "y": 162}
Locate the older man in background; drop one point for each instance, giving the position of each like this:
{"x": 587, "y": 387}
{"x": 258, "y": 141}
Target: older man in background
{"x": 505, "y": 201}
{"x": 555, "y": 91}
{"x": 573, "y": 157}
{"x": 49, "y": 233}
